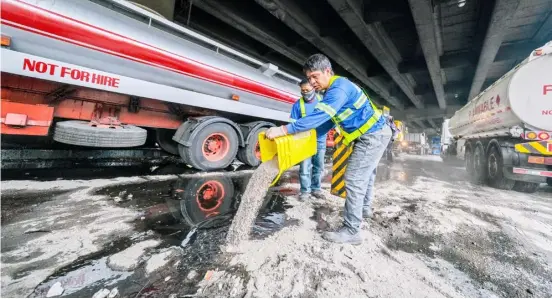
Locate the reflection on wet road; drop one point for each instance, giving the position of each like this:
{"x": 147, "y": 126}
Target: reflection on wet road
{"x": 189, "y": 211}
{"x": 173, "y": 208}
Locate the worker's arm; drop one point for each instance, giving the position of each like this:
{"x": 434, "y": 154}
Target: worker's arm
{"x": 295, "y": 114}
{"x": 322, "y": 114}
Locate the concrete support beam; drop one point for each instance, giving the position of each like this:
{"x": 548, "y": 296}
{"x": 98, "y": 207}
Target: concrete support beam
{"x": 225, "y": 12}
{"x": 162, "y": 7}
{"x": 430, "y": 112}
{"x": 375, "y": 39}
{"x": 242, "y": 44}
{"x": 382, "y": 11}
{"x": 432, "y": 123}
{"x": 419, "y": 123}
{"x": 500, "y": 19}
{"x": 413, "y": 127}
{"x": 417, "y": 65}
{"x": 289, "y": 12}
{"x": 516, "y": 51}
{"x": 545, "y": 32}
{"x": 453, "y": 87}
{"x": 422, "y": 13}
{"x": 468, "y": 59}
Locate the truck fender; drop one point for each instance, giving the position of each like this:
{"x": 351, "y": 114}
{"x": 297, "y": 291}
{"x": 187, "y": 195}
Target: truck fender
{"x": 492, "y": 143}
{"x": 506, "y": 147}
{"x": 247, "y": 128}
{"x": 190, "y": 128}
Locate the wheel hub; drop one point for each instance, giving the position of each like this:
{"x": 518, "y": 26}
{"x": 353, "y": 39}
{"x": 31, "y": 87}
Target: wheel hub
{"x": 215, "y": 147}
{"x": 257, "y": 151}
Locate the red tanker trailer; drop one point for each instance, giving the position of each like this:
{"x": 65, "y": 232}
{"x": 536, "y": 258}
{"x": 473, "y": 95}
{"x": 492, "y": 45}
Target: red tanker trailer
{"x": 108, "y": 73}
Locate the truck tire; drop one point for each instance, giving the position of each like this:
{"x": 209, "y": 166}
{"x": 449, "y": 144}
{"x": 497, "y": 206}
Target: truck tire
{"x": 526, "y": 187}
{"x": 495, "y": 164}
{"x": 214, "y": 147}
{"x": 549, "y": 181}
{"x": 165, "y": 142}
{"x": 250, "y": 153}
{"x": 479, "y": 161}
{"x": 77, "y": 132}
{"x": 469, "y": 160}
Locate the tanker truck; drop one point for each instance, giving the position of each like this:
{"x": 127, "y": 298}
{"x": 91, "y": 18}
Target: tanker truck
{"x": 110, "y": 74}
{"x": 504, "y": 133}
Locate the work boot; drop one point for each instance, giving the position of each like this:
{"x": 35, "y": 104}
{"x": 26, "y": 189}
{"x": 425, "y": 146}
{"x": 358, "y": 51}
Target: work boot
{"x": 367, "y": 213}
{"x": 318, "y": 194}
{"x": 343, "y": 235}
{"x": 304, "y": 196}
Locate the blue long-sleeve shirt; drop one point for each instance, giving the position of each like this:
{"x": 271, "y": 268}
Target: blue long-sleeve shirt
{"x": 342, "y": 100}
{"x": 309, "y": 108}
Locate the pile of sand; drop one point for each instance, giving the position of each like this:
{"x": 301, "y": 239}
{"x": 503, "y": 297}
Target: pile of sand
{"x": 297, "y": 262}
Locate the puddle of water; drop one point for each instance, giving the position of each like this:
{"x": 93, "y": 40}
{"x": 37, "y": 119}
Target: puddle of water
{"x": 172, "y": 208}
{"x": 193, "y": 213}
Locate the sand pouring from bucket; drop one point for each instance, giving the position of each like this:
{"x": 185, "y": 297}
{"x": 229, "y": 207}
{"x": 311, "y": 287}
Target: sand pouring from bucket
{"x": 290, "y": 149}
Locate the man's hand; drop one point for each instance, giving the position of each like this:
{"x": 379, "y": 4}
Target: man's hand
{"x": 274, "y": 132}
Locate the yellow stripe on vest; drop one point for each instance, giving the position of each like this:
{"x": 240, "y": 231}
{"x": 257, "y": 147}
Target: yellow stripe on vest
{"x": 326, "y": 108}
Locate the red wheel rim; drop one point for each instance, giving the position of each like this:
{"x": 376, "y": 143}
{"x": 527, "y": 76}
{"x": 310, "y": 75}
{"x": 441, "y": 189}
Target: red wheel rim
{"x": 257, "y": 151}
{"x": 209, "y": 197}
{"x": 215, "y": 147}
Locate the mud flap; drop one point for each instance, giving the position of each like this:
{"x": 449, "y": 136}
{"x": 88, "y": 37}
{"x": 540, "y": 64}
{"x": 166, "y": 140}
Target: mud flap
{"x": 340, "y": 159}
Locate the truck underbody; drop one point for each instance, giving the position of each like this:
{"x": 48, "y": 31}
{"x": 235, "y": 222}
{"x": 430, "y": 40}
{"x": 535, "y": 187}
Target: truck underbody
{"x": 33, "y": 107}
{"x": 499, "y": 163}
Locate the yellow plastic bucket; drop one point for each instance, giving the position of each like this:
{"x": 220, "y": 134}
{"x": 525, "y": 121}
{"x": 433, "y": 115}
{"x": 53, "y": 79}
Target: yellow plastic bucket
{"x": 291, "y": 149}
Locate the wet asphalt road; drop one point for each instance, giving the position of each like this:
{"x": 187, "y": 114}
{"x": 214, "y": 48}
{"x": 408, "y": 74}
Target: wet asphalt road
{"x": 65, "y": 228}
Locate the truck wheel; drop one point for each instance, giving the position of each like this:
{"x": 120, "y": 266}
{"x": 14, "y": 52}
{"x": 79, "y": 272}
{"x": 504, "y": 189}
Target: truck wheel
{"x": 81, "y": 133}
{"x": 526, "y": 187}
{"x": 214, "y": 147}
{"x": 251, "y": 154}
{"x": 495, "y": 165}
{"x": 479, "y": 175}
{"x": 549, "y": 181}
{"x": 165, "y": 142}
{"x": 469, "y": 160}
{"x": 204, "y": 198}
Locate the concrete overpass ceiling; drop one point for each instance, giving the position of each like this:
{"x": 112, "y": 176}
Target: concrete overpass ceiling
{"x": 420, "y": 57}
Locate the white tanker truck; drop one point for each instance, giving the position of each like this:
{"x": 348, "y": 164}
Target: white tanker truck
{"x": 505, "y": 133}
{"x": 110, "y": 74}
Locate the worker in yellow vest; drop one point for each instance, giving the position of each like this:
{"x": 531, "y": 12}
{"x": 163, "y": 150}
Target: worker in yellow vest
{"x": 311, "y": 169}
{"x": 347, "y": 107}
